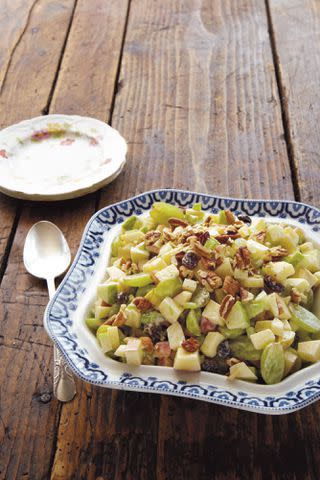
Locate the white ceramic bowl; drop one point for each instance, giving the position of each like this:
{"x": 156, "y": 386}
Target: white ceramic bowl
{"x": 65, "y": 315}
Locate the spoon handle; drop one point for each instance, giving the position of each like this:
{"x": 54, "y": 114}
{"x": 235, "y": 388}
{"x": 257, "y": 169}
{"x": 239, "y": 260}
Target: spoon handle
{"x": 64, "y": 387}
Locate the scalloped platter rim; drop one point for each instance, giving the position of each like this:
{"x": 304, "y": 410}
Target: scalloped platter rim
{"x": 58, "y": 157}
{"x": 65, "y": 314}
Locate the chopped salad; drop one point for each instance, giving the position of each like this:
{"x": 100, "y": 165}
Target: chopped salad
{"x": 221, "y": 293}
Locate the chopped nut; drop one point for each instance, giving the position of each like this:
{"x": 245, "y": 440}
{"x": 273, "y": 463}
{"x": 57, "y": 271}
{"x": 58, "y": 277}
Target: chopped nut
{"x": 295, "y": 296}
{"x": 227, "y": 237}
{"x": 271, "y": 285}
{"x": 110, "y": 320}
{"x": 203, "y": 237}
{"x": 210, "y": 280}
{"x": 120, "y": 319}
{"x": 177, "y": 222}
{"x": 201, "y": 250}
{"x": 231, "y": 286}
{"x": 147, "y": 344}
{"x": 165, "y": 362}
{"x": 142, "y": 304}
{"x": 186, "y": 272}
{"x": 210, "y": 264}
{"x": 151, "y": 241}
{"x": 190, "y": 345}
{"x": 242, "y": 258}
{"x": 230, "y": 217}
{"x": 261, "y": 236}
{"x": 162, "y": 349}
{"x": 168, "y": 235}
{"x": 227, "y": 303}
{"x": 278, "y": 253}
{"x": 245, "y": 295}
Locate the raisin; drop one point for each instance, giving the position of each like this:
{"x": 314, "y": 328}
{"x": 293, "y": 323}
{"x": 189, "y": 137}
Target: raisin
{"x": 245, "y": 218}
{"x": 125, "y": 330}
{"x": 122, "y": 298}
{"x": 271, "y": 285}
{"x": 224, "y": 350}
{"x": 157, "y": 333}
{"x": 190, "y": 260}
{"x": 215, "y": 365}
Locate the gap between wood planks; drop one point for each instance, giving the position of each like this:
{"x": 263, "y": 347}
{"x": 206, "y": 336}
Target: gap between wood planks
{"x": 284, "y": 105}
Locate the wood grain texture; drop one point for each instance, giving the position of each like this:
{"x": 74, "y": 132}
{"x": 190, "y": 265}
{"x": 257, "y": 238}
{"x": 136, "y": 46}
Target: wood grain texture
{"x": 32, "y": 37}
{"x": 295, "y": 26}
{"x": 23, "y": 298}
{"x": 198, "y": 102}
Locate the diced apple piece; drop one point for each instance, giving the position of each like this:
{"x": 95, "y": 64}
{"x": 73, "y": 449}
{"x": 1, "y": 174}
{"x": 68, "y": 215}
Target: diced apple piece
{"x": 238, "y": 317}
{"x": 306, "y": 247}
{"x": 113, "y": 334}
{"x": 167, "y": 273}
{"x": 241, "y": 371}
{"x": 309, "y": 351}
{"x": 167, "y": 247}
{"x": 170, "y": 310}
{"x": 134, "y": 352}
{"x": 168, "y": 288}
{"x": 154, "y": 265}
{"x": 153, "y": 297}
{"x": 225, "y": 268}
{"x": 294, "y": 258}
{"x": 299, "y": 284}
{"x": 101, "y": 312}
{"x": 284, "y": 312}
{"x": 182, "y": 298}
{"x": 272, "y": 304}
{"x": 124, "y": 251}
{"x": 139, "y": 254}
{"x": 108, "y": 292}
{"x": 262, "y": 325}
{"x": 256, "y": 281}
{"x": 175, "y": 335}
{"x": 287, "y": 338}
{"x": 93, "y": 323}
{"x": 211, "y": 311}
{"x": 121, "y": 351}
{"x": 280, "y": 271}
{"x": 262, "y": 339}
{"x": 189, "y": 285}
{"x": 277, "y": 327}
{"x": 211, "y": 343}
{"x": 257, "y": 250}
{"x": 304, "y": 319}
{"x": 137, "y": 280}
{"x": 167, "y": 256}
{"x": 132, "y": 237}
{"x": 133, "y": 316}
{"x": 286, "y": 325}
{"x": 311, "y": 260}
{"x": 290, "y": 360}
{"x": 306, "y": 275}
{"x": 115, "y": 273}
{"x": 162, "y": 211}
{"x": 184, "y": 360}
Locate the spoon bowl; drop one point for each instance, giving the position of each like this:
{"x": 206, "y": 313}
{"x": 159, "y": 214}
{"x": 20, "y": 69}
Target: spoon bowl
{"x": 46, "y": 252}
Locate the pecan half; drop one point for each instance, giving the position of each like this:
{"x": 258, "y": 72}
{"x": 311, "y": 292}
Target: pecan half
{"x": 271, "y": 285}
{"x": 201, "y": 250}
{"x": 210, "y": 264}
{"x": 227, "y": 237}
{"x": 142, "y": 304}
{"x": 230, "y": 217}
{"x": 177, "y": 222}
{"x": 185, "y": 272}
{"x": 190, "y": 345}
{"x": 151, "y": 241}
{"x": 203, "y": 237}
{"x": 278, "y": 253}
{"x": 227, "y": 303}
{"x": 242, "y": 258}
{"x": 231, "y": 285}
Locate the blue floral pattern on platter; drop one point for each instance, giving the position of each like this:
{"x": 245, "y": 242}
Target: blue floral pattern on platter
{"x": 58, "y": 315}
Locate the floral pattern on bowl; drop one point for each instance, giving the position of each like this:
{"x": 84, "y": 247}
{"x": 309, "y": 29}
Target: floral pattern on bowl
{"x": 66, "y": 312}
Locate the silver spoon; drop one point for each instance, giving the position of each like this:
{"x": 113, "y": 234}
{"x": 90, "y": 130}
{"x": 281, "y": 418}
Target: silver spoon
{"x": 46, "y": 255}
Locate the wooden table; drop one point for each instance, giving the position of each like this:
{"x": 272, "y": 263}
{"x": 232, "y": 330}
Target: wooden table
{"x": 219, "y": 96}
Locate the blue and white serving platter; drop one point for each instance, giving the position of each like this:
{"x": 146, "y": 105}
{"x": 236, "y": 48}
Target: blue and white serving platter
{"x": 65, "y": 314}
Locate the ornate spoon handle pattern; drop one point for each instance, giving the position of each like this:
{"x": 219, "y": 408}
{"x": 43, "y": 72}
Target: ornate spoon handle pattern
{"x": 64, "y": 387}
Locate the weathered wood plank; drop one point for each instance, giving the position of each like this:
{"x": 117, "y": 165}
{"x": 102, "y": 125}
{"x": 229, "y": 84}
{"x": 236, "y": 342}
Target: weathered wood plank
{"x": 24, "y": 298}
{"x": 32, "y": 37}
{"x": 296, "y": 32}
{"x": 198, "y": 102}
{"x": 27, "y": 416}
